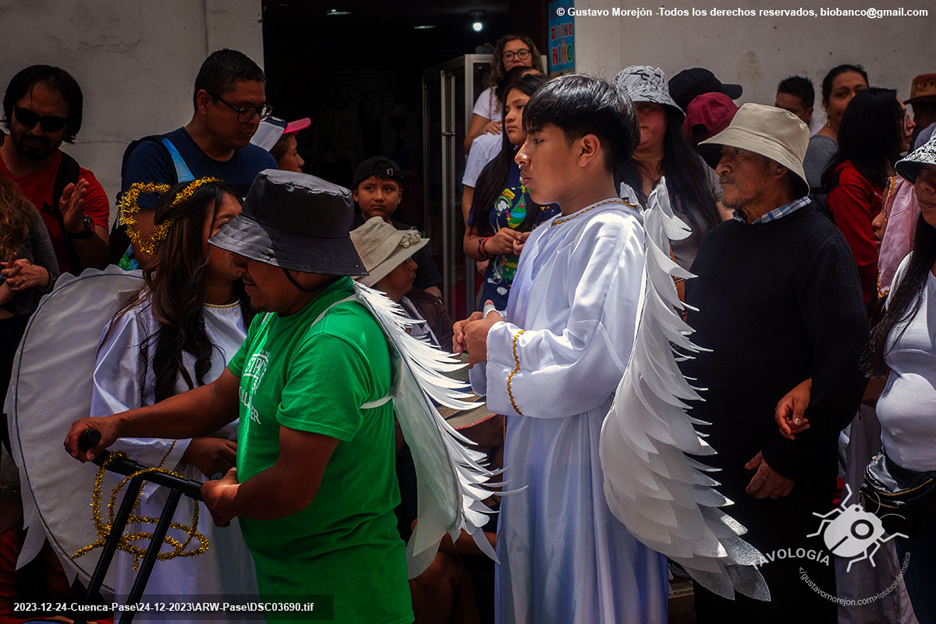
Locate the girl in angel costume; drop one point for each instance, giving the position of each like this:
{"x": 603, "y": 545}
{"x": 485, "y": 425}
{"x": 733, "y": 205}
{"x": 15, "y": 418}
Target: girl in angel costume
{"x": 177, "y": 333}
{"x": 552, "y": 362}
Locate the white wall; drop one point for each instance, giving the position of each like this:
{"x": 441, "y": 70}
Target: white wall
{"x": 758, "y": 52}
{"x": 135, "y": 60}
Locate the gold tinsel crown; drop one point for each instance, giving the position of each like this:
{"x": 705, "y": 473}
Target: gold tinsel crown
{"x": 129, "y": 207}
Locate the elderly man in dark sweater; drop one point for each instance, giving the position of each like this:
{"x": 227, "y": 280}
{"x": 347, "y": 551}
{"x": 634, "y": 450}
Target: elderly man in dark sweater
{"x": 779, "y": 301}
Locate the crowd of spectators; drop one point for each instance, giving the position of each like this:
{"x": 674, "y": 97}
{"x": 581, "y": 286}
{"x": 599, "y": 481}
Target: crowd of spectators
{"x": 814, "y": 247}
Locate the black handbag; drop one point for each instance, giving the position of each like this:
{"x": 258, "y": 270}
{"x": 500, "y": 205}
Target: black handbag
{"x": 904, "y": 500}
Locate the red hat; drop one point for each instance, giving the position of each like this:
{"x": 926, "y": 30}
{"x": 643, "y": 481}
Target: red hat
{"x": 270, "y": 131}
{"x": 295, "y": 126}
{"x": 707, "y": 115}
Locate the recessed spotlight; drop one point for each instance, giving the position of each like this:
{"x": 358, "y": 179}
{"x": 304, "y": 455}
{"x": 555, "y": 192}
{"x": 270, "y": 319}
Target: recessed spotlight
{"x": 477, "y": 26}
{"x": 424, "y": 27}
{"x": 336, "y": 12}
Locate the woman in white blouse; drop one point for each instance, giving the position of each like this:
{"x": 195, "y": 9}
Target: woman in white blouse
{"x": 511, "y": 51}
{"x": 903, "y": 346}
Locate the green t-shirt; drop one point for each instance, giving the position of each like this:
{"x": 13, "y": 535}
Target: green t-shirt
{"x": 314, "y": 376}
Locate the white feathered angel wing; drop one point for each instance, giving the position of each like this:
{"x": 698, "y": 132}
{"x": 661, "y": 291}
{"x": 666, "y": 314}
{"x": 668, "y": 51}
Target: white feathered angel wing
{"x": 665, "y": 498}
{"x": 50, "y": 387}
{"x": 450, "y": 479}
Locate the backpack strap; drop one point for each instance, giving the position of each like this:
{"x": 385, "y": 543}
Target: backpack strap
{"x": 183, "y": 173}
{"x": 120, "y": 249}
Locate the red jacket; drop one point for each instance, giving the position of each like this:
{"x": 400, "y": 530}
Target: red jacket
{"x": 854, "y": 202}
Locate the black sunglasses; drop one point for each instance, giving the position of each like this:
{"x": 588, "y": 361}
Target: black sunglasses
{"x": 29, "y": 118}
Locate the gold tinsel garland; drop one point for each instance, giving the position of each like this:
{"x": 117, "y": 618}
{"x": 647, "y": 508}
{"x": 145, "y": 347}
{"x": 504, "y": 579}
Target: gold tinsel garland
{"x": 129, "y": 207}
{"x": 126, "y": 541}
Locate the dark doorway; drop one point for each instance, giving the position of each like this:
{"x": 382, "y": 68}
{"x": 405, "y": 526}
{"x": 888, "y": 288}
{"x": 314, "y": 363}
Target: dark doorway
{"x": 358, "y": 76}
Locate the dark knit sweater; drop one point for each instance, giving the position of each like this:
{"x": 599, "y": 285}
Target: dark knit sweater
{"x": 778, "y": 302}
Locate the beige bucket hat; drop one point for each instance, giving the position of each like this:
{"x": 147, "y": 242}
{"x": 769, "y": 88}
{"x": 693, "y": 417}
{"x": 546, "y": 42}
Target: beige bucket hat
{"x": 383, "y": 248}
{"x": 772, "y": 132}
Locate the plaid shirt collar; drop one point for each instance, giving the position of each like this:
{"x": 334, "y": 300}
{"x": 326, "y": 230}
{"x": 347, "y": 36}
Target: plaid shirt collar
{"x": 776, "y": 213}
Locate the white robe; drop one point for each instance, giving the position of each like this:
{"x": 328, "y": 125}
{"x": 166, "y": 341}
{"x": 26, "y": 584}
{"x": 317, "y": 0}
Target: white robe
{"x": 226, "y": 569}
{"x": 563, "y": 555}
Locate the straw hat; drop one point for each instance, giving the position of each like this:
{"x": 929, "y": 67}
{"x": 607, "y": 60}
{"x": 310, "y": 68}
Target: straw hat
{"x": 772, "y": 132}
{"x": 922, "y": 89}
{"x": 383, "y": 247}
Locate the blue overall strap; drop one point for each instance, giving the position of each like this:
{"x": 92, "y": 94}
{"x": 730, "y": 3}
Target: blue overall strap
{"x": 183, "y": 173}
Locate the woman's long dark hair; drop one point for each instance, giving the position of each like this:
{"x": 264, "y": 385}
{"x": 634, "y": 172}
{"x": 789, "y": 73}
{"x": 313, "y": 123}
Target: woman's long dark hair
{"x": 175, "y": 285}
{"x": 904, "y": 301}
{"x": 686, "y": 178}
{"x": 494, "y": 176}
{"x": 870, "y": 136}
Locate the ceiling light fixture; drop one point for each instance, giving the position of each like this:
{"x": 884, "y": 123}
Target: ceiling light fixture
{"x": 476, "y": 14}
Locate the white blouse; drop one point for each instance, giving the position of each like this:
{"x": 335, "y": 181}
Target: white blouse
{"x": 907, "y": 408}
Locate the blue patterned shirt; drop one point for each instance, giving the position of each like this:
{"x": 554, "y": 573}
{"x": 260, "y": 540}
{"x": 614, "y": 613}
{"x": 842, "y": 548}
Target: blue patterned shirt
{"x": 776, "y": 213}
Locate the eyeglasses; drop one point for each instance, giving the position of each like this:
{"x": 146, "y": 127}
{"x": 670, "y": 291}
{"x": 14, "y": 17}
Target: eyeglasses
{"x": 244, "y": 115}
{"x": 29, "y": 118}
{"x": 522, "y": 54}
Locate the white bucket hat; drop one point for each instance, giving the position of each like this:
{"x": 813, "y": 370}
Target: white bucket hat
{"x": 644, "y": 83}
{"x": 383, "y": 248}
{"x": 909, "y": 167}
{"x": 772, "y": 132}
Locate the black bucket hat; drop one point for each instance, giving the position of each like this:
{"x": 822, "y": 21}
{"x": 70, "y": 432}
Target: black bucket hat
{"x": 294, "y": 221}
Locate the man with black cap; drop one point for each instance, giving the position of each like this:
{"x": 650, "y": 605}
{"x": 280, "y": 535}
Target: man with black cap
{"x": 778, "y": 301}
{"x": 314, "y": 487}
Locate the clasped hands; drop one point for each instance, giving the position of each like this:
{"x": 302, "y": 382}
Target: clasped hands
{"x": 471, "y": 334}
{"x": 20, "y": 274}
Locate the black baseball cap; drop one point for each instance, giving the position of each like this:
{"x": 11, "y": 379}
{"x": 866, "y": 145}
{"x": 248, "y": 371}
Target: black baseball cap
{"x": 691, "y": 83}
{"x": 380, "y": 167}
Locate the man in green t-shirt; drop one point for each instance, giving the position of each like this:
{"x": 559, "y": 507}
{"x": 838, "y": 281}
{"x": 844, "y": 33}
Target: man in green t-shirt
{"x": 314, "y": 486}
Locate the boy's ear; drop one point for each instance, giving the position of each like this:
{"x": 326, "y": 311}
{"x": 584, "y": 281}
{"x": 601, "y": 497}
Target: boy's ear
{"x": 354, "y": 194}
{"x": 588, "y": 148}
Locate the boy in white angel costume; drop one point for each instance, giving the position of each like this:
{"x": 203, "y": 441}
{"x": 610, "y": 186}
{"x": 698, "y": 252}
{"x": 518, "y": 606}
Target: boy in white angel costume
{"x": 552, "y": 361}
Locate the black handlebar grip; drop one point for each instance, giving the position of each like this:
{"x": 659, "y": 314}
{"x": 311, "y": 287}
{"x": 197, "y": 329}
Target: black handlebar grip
{"x": 88, "y": 439}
